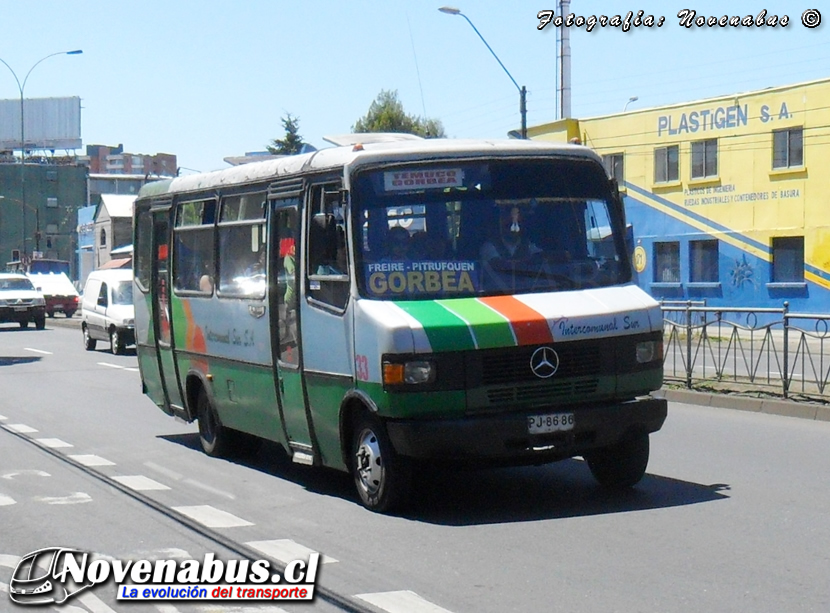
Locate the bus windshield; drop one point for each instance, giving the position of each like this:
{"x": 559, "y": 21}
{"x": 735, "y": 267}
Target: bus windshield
{"x": 459, "y": 229}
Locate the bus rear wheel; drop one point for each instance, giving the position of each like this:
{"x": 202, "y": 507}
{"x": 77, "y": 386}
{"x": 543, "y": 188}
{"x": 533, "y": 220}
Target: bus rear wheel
{"x": 621, "y": 465}
{"x": 213, "y": 436}
{"x": 382, "y": 478}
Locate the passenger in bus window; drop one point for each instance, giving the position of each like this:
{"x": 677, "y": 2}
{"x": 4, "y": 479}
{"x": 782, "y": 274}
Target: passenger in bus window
{"x": 428, "y": 246}
{"x": 258, "y": 265}
{"x": 397, "y": 244}
{"x": 510, "y": 243}
{"x": 339, "y": 265}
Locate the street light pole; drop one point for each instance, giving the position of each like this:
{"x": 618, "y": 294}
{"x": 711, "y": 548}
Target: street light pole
{"x": 21, "y": 87}
{"x": 630, "y": 100}
{"x": 522, "y": 91}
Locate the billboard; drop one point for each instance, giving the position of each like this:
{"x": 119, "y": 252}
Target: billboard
{"x": 50, "y": 123}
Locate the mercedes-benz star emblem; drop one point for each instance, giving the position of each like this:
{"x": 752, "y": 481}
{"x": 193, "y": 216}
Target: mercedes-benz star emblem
{"x": 544, "y": 362}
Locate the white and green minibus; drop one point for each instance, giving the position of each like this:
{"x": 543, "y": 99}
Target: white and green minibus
{"x": 394, "y": 303}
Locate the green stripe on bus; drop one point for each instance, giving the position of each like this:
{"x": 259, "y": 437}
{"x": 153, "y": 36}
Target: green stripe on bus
{"x": 445, "y": 331}
{"x": 490, "y": 329}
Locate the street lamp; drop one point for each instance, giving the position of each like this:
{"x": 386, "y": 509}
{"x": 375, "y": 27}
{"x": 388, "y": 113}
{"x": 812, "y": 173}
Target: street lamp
{"x": 21, "y": 87}
{"x": 522, "y": 91}
{"x": 630, "y": 100}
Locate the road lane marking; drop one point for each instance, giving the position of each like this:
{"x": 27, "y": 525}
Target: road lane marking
{"x": 171, "y": 474}
{"x": 53, "y": 443}
{"x": 6, "y": 501}
{"x": 140, "y": 483}
{"x": 164, "y": 471}
{"x": 75, "y": 498}
{"x": 118, "y": 366}
{"x": 21, "y": 428}
{"x": 212, "y": 517}
{"x": 3, "y": 418}
{"x": 38, "y": 351}
{"x": 27, "y": 471}
{"x": 208, "y": 488}
{"x": 286, "y": 550}
{"x": 403, "y": 601}
{"x": 92, "y": 460}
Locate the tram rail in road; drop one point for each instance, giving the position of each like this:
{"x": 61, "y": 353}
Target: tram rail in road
{"x": 341, "y": 602}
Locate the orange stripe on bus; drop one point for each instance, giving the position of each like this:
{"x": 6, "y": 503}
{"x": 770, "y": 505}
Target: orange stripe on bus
{"x": 529, "y": 326}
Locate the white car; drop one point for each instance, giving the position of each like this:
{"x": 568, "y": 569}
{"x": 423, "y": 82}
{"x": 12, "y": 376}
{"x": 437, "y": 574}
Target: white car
{"x": 107, "y": 312}
{"x": 20, "y": 301}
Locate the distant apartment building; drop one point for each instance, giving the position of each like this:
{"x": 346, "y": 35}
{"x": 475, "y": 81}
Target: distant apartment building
{"x": 105, "y": 159}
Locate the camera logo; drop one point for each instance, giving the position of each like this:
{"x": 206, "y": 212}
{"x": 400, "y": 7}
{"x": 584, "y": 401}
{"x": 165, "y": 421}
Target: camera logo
{"x": 39, "y": 577}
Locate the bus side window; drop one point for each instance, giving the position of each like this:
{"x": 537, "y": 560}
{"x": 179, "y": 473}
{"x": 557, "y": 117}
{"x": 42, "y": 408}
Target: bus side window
{"x": 328, "y": 269}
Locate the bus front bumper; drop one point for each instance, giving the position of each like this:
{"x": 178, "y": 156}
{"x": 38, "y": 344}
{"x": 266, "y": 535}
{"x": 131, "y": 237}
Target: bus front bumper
{"x": 505, "y": 437}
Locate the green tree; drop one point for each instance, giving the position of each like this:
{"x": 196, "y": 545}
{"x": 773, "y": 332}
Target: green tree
{"x": 292, "y": 142}
{"x": 386, "y": 114}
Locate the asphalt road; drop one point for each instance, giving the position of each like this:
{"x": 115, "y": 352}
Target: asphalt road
{"x": 732, "y": 515}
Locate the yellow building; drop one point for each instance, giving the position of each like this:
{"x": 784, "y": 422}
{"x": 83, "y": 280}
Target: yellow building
{"x": 728, "y": 196}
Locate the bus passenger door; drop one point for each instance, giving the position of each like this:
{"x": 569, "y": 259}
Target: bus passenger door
{"x": 161, "y": 312}
{"x": 285, "y": 233}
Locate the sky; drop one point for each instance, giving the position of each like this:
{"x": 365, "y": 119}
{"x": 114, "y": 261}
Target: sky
{"x": 206, "y": 80}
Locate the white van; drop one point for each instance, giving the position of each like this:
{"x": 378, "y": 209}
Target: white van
{"x": 107, "y": 310}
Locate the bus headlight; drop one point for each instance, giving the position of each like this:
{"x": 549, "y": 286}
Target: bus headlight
{"x": 649, "y": 351}
{"x": 408, "y": 373}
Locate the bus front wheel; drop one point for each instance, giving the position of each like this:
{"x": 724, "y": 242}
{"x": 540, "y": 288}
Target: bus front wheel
{"x": 213, "y": 436}
{"x": 621, "y": 465}
{"x": 382, "y": 478}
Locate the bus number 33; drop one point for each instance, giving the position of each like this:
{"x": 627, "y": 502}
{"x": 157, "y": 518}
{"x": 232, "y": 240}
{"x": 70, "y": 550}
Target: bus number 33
{"x": 361, "y": 364}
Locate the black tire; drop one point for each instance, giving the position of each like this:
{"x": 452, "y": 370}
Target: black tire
{"x": 382, "y": 478}
{"x": 116, "y": 342}
{"x": 24, "y": 323}
{"x": 89, "y": 342}
{"x": 622, "y": 465}
{"x": 216, "y": 440}
{"x": 40, "y": 322}
{"x": 50, "y": 313}
{"x": 69, "y": 313}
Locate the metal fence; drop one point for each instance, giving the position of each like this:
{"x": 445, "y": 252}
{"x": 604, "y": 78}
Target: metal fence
{"x": 766, "y": 350}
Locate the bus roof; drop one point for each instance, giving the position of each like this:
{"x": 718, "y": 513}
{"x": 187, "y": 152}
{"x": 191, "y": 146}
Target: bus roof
{"x": 402, "y": 150}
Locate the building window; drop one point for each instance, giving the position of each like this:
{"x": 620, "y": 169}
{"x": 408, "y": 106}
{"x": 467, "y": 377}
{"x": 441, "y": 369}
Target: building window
{"x": 103, "y": 242}
{"x": 666, "y": 164}
{"x": 705, "y": 158}
{"x": 788, "y": 148}
{"x": 703, "y": 264}
{"x": 788, "y": 259}
{"x": 614, "y": 166}
{"x": 667, "y": 262}
{"x": 52, "y": 203}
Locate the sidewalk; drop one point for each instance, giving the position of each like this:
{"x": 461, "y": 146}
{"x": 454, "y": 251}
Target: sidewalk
{"x": 772, "y": 406}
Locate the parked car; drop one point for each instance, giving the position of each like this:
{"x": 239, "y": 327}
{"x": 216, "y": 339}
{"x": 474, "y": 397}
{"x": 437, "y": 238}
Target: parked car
{"x": 20, "y": 301}
{"x": 52, "y": 277}
{"x": 107, "y": 312}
